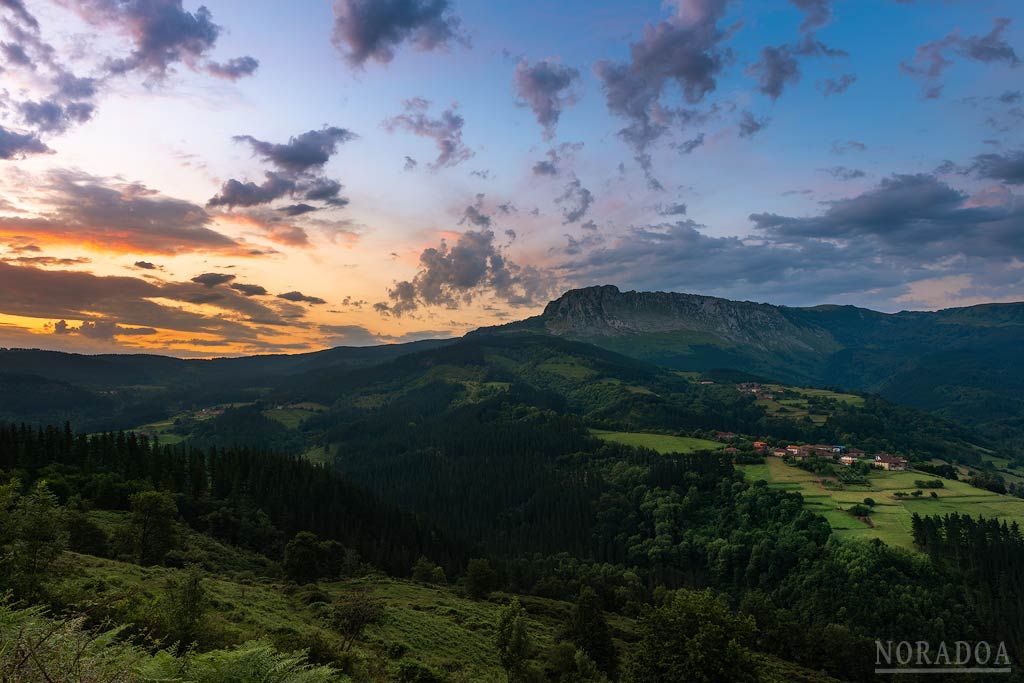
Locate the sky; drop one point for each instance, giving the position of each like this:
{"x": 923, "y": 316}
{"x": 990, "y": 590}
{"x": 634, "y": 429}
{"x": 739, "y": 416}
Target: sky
{"x": 267, "y": 177}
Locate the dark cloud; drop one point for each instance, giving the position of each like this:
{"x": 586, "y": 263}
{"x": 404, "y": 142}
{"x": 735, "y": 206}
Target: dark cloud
{"x": 686, "y": 51}
{"x": 373, "y": 29}
{"x": 15, "y": 54}
{"x": 577, "y": 200}
{"x": 932, "y": 59}
{"x": 146, "y": 265}
{"x": 302, "y": 153}
{"x": 837, "y": 86}
{"x": 545, "y": 167}
{"x": 77, "y": 295}
{"x": 844, "y": 173}
{"x": 162, "y": 32}
{"x": 237, "y": 193}
{"x": 233, "y": 69}
{"x": 452, "y": 276}
{"x": 916, "y": 216}
{"x": 776, "y": 68}
{"x": 1011, "y": 96}
{"x": 1008, "y": 168}
{"x": 556, "y": 156}
{"x": 299, "y": 297}
{"x": 297, "y": 209}
{"x": 17, "y": 7}
{"x": 446, "y": 131}
{"x": 81, "y": 209}
{"x": 749, "y": 125}
{"x": 689, "y": 146}
{"x": 474, "y": 214}
{"x": 547, "y": 87}
{"x": 50, "y": 116}
{"x": 323, "y": 189}
{"x": 410, "y": 164}
{"x": 248, "y": 290}
{"x": 20, "y": 145}
{"x": 213, "y": 279}
{"x": 70, "y": 87}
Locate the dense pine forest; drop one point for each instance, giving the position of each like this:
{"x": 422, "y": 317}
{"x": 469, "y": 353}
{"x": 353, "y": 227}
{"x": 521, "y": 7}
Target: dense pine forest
{"x": 614, "y": 529}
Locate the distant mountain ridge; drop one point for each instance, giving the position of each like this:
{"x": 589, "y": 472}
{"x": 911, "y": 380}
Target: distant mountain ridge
{"x": 965, "y": 363}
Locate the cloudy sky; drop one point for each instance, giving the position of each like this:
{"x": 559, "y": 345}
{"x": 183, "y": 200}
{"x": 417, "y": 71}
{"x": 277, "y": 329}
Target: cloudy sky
{"x": 260, "y": 176}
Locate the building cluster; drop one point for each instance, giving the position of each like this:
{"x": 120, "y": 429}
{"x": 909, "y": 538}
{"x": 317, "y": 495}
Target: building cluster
{"x": 756, "y": 390}
{"x": 841, "y": 454}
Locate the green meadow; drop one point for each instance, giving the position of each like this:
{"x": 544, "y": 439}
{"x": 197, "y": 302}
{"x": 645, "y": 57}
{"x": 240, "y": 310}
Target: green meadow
{"x": 891, "y": 516}
{"x": 661, "y": 443}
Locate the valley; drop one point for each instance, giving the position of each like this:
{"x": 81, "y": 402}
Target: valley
{"x": 442, "y": 489}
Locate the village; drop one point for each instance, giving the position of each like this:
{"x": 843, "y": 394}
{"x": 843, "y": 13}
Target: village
{"x": 838, "y": 453}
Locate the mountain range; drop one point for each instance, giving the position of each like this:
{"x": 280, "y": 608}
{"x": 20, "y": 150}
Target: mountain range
{"x": 963, "y": 364}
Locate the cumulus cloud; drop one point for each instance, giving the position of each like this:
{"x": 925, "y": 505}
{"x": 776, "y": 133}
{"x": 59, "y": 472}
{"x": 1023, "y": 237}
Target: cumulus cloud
{"x": 931, "y": 60}
{"x": 913, "y": 215}
{"x": 776, "y": 69}
{"x": 474, "y": 214}
{"x": 576, "y": 201}
{"x": 302, "y": 153}
{"x": 233, "y": 69}
{"x": 248, "y": 290}
{"x": 374, "y": 29}
{"x": 297, "y": 209}
{"x": 299, "y": 165}
{"x": 237, "y": 193}
{"x": 163, "y": 33}
{"x": 750, "y": 125}
{"x": 212, "y": 279}
{"x": 445, "y": 131}
{"x": 547, "y": 87}
{"x": 50, "y": 116}
{"x": 14, "y": 145}
{"x": 687, "y": 51}
{"x": 1008, "y": 168}
{"x": 299, "y": 297}
{"x": 80, "y": 209}
{"x": 454, "y": 275}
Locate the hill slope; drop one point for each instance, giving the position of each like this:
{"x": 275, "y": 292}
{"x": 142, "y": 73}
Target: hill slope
{"x": 963, "y": 363}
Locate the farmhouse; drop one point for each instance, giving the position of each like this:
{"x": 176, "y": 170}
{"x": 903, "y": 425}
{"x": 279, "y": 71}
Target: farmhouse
{"x": 780, "y": 452}
{"x": 760, "y": 446}
{"x": 889, "y": 462}
{"x": 725, "y": 436}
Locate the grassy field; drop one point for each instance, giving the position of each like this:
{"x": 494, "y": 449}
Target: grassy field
{"x": 292, "y": 416}
{"x": 659, "y": 442}
{"x": 800, "y": 407}
{"x": 892, "y": 515}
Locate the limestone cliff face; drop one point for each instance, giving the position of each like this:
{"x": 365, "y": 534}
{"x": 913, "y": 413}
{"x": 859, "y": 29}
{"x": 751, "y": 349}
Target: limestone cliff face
{"x": 605, "y": 311}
